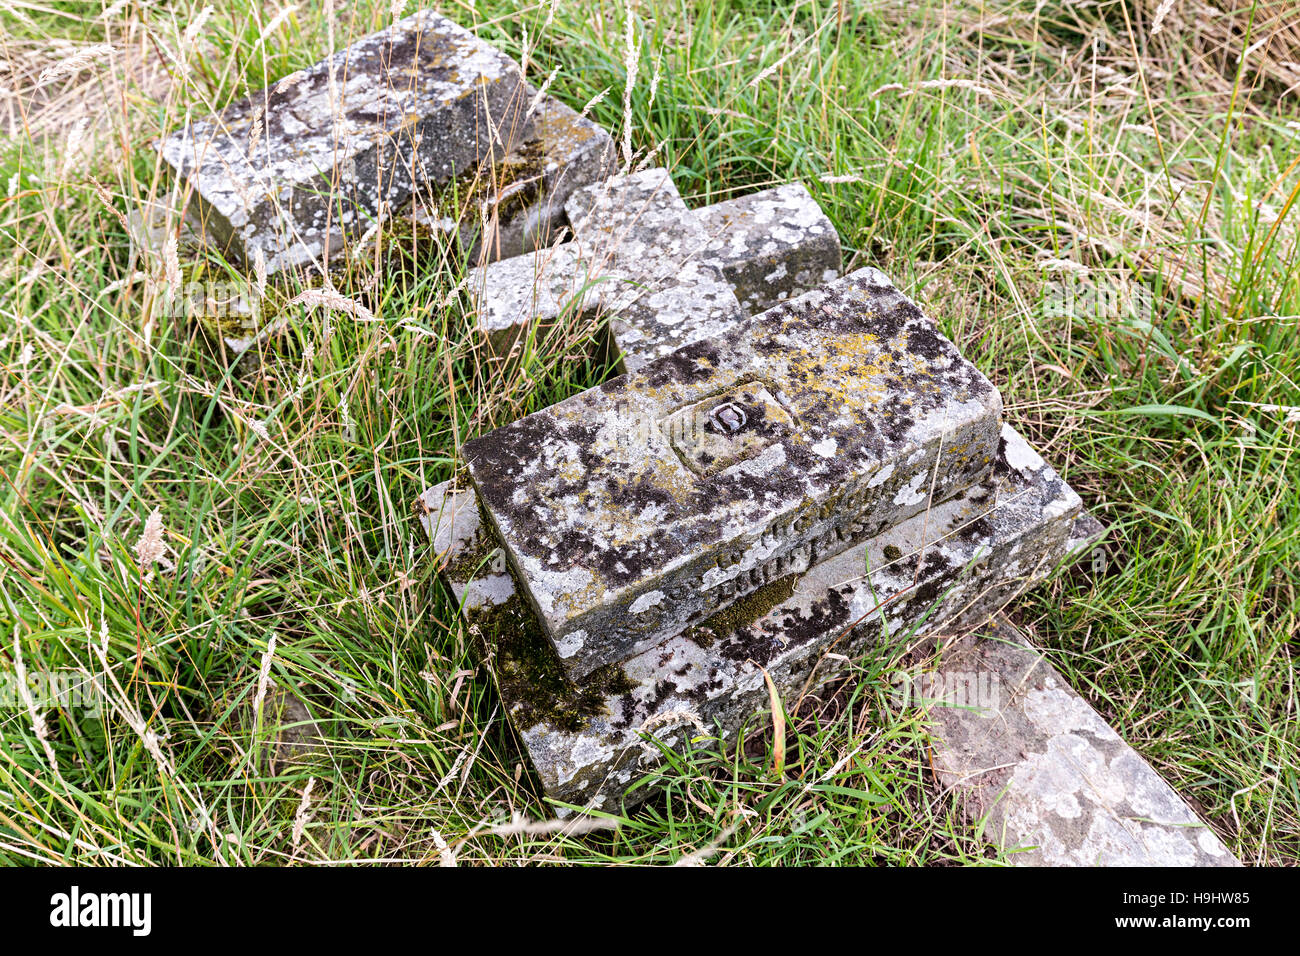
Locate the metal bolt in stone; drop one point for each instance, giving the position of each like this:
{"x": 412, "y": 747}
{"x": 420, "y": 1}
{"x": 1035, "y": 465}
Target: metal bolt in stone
{"x": 728, "y": 418}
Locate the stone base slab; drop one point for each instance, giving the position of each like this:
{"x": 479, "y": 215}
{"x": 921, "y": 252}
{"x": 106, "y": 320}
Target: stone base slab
{"x": 952, "y": 565}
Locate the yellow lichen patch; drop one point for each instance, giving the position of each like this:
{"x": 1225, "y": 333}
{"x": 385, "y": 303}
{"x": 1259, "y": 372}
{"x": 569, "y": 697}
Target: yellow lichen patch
{"x": 563, "y": 130}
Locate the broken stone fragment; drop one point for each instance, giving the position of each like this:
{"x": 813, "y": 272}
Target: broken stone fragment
{"x": 641, "y": 507}
{"x": 1048, "y": 780}
{"x": 293, "y": 169}
{"x": 771, "y": 245}
{"x": 948, "y": 567}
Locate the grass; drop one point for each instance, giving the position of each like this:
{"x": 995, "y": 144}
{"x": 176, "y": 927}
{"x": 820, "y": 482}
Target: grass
{"x": 976, "y": 153}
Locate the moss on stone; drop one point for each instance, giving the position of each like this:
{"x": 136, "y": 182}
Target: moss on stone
{"x": 531, "y": 679}
{"x": 508, "y": 186}
{"x": 702, "y": 635}
{"x": 405, "y": 231}
{"x": 744, "y": 611}
{"x": 468, "y": 564}
{"x": 526, "y": 667}
{"x": 223, "y": 323}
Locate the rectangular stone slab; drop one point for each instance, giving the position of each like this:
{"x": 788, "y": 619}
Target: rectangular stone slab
{"x": 1050, "y": 782}
{"x": 640, "y": 507}
{"x": 949, "y": 567}
{"x": 771, "y": 245}
{"x": 420, "y": 102}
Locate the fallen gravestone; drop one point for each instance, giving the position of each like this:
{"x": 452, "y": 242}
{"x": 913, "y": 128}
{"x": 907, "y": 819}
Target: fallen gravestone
{"x": 947, "y": 568}
{"x": 594, "y": 743}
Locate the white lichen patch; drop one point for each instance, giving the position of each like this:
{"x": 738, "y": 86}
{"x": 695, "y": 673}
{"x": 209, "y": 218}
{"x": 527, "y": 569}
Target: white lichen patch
{"x": 882, "y": 476}
{"x": 913, "y": 492}
{"x": 646, "y": 601}
{"x": 1021, "y": 456}
{"x": 570, "y": 644}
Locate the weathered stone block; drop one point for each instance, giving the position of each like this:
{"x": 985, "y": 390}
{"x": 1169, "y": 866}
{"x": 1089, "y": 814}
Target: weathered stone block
{"x": 641, "y": 507}
{"x": 953, "y": 565}
{"x": 771, "y": 245}
{"x": 1050, "y": 782}
{"x": 419, "y": 103}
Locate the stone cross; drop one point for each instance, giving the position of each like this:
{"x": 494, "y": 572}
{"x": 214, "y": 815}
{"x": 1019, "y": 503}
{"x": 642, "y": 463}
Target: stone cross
{"x": 664, "y": 275}
{"x": 969, "y": 546}
{"x": 1017, "y": 760}
{"x": 836, "y": 442}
